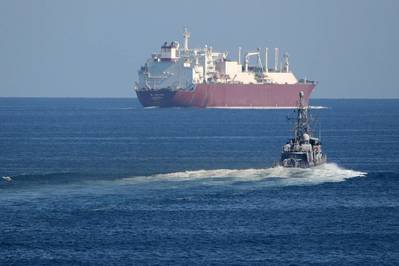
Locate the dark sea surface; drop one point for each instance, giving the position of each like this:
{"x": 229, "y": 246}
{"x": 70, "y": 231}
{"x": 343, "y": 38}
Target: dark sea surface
{"x": 107, "y": 182}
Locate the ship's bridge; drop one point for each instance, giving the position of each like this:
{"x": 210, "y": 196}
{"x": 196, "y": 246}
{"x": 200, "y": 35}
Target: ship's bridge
{"x": 169, "y": 51}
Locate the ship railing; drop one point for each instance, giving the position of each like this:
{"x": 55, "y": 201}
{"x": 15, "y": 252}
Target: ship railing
{"x": 306, "y": 81}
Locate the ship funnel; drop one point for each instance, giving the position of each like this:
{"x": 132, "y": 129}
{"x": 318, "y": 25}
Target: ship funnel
{"x": 266, "y": 59}
{"x": 286, "y": 67}
{"x": 246, "y": 62}
{"x": 186, "y": 36}
{"x": 276, "y": 59}
{"x": 239, "y": 55}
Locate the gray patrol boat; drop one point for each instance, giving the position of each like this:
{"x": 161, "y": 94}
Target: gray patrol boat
{"x": 303, "y": 150}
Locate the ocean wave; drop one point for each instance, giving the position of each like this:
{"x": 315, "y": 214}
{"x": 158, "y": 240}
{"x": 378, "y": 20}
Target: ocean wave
{"x": 125, "y": 108}
{"x": 38, "y": 179}
{"x": 318, "y": 107}
{"x": 276, "y": 176}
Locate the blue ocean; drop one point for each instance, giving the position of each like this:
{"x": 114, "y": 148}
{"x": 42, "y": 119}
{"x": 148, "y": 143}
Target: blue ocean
{"x": 108, "y": 182}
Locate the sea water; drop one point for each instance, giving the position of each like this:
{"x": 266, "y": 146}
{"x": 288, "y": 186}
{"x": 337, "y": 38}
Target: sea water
{"x": 107, "y": 182}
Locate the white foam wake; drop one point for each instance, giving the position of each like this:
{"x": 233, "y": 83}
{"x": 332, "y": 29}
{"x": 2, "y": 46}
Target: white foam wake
{"x": 262, "y": 107}
{"x": 7, "y": 178}
{"x": 318, "y": 107}
{"x": 278, "y": 176}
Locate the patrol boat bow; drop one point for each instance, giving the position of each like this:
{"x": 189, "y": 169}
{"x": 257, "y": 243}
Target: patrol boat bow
{"x": 303, "y": 150}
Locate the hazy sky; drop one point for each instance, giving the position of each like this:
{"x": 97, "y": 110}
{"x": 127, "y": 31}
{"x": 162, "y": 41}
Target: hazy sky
{"x": 93, "y": 48}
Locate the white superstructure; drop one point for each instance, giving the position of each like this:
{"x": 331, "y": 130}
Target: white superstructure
{"x": 176, "y": 67}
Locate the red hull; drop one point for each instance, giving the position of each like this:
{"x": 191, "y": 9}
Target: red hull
{"x": 229, "y": 95}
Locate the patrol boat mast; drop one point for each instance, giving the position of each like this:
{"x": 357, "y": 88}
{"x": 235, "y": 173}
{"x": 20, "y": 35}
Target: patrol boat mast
{"x": 302, "y": 126}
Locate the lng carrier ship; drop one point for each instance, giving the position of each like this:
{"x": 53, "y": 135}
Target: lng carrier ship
{"x": 200, "y": 77}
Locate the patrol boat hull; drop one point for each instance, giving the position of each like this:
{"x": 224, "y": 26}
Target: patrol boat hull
{"x": 291, "y": 160}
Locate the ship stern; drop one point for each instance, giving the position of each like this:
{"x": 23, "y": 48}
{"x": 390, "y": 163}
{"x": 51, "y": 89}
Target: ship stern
{"x": 156, "y": 98}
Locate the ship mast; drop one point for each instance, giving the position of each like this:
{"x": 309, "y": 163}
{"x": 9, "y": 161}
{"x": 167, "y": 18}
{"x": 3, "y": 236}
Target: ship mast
{"x": 302, "y": 122}
{"x": 186, "y": 36}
